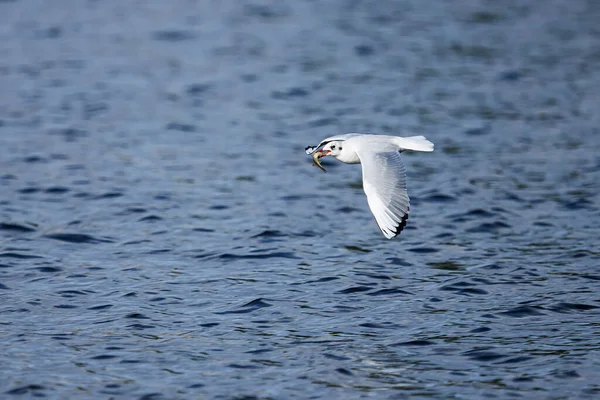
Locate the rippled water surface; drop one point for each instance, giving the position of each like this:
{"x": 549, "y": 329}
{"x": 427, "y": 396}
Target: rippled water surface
{"x": 164, "y": 236}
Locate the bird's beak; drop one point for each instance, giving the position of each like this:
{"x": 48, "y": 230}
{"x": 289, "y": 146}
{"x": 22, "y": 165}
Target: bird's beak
{"x": 323, "y": 153}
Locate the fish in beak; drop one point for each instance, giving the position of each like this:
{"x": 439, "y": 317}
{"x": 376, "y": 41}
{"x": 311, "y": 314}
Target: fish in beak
{"x": 318, "y": 154}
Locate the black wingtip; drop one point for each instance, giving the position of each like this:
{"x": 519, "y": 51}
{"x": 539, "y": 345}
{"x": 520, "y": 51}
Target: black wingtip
{"x": 398, "y": 228}
{"x": 310, "y": 149}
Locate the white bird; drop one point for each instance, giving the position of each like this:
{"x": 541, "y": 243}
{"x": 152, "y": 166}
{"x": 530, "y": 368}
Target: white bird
{"x": 384, "y": 175}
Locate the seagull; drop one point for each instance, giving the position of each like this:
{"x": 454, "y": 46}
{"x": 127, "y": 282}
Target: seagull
{"x": 383, "y": 172}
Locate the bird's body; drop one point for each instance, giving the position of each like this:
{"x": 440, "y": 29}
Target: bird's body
{"x": 384, "y": 175}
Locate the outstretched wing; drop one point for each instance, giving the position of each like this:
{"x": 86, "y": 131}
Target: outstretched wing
{"x": 384, "y": 182}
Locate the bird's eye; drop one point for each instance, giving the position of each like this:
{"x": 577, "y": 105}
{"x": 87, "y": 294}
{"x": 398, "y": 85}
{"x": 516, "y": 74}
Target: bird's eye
{"x": 333, "y": 147}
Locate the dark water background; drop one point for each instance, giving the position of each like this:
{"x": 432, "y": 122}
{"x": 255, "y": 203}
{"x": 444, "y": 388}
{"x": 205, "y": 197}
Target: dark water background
{"x": 164, "y": 236}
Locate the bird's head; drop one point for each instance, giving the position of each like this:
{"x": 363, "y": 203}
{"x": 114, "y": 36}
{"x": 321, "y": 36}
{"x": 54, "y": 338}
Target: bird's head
{"x": 338, "y": 147}
{"x": 333, "y": 149}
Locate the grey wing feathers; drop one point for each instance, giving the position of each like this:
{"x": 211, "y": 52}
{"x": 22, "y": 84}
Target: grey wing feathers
{"x": 384, "y": 183}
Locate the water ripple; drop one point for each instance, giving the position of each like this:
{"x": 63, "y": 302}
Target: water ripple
{"x": 248, "y": 307}
{"x": 76, "y": 238}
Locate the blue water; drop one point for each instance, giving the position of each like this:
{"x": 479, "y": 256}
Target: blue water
{"x": 164, "y": 236}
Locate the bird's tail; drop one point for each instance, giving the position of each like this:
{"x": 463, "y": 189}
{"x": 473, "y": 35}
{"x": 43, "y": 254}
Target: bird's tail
{"x": 415, "y": 143}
